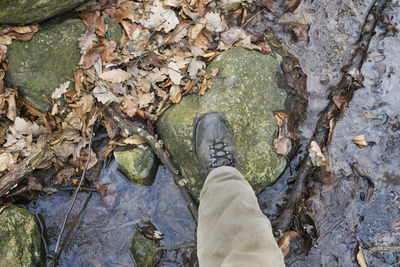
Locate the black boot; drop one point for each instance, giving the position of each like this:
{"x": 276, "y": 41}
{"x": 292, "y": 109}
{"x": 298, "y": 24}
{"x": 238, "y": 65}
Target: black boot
{"x": 214, "y": 142}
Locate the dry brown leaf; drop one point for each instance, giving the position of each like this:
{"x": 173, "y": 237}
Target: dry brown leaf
{"x": 317, "y": 158}
{"x": 94, "y": 21}
{"x": 195, "y": 30}
{"x": 86, "y": 41}
{"x": 89, "y": 58}
{"x": 64, "y": 175}
{"x": 160, "y": 18}
{"x": 6, "y": 161}
{"x": 115, "y": 76}
{"x": 174, "y": 73}
{"x": 360, "y": 257}
{"x": 284, "y": 241}
{"x": 59, "y": 91}
{"x": 145, "y": 99}
{"x": 103, "y": 95}
{"x": 360, "y": 141}
{"x": 117, "y": 14}
{"x": 134, "y": 140}
{"x": 130, "y": 105}
{"x": 203, "y": 86}
{"x": 194, "y": 66}
{"x": 214, "y": 22}
{"x": 27, "y": 127}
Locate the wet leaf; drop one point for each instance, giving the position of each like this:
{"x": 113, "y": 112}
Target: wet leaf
{"x": 291, "y": 5}
{"x": 284, "y": 241}
{"x": 281, "y": 140}
{"x": 360, "y": 257}
{"x": 108, "y": 193}
{"x": 360, "y": 141}
{"x": 317, "y": 158}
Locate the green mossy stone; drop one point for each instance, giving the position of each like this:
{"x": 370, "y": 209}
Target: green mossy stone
{"x": 245, "y": 90}
{"x": 137, "y": 164}
{"x": 41, "y": 65}
{"x": 143, "y": 250}
{"x": 20, "y": 239}
{"x": 28, "y": 11}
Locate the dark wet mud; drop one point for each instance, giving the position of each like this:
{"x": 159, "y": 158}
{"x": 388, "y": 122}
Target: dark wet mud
{"x": 353, "y": 202}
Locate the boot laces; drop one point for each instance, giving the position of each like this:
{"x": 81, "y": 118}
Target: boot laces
{"x": 220, "y": 155}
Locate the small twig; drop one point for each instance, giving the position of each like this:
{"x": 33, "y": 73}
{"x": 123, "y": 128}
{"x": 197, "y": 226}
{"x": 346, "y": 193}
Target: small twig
{"x": 385, "y": 249}
{"x": 177, "y": 246}
{"x": 75, "y": 194}
{"x": 129, "y": 129}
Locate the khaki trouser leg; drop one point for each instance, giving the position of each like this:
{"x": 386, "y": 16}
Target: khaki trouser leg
{"x": 232, "y": 229}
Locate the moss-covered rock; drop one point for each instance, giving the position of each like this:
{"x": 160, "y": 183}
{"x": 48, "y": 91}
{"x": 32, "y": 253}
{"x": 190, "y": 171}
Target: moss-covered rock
{"x": 20, "y": 239}
{"x": 246, "y": 91}
{"x": 144, "y": 250}
{"x": 39, "y": 66}
{"x": 137, "y": 164}
{"x": 28, "y": 11}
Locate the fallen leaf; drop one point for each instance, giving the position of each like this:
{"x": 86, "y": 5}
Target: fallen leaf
{"x": 360, "y": 141}
{"x": 174, "y": 73}
{"x": 64, "y": 175}
{"x": 340, "y": 101}
{"x": 130, "y": 105}
{"x": 214, "y": 22}
{"x": 134, "y": 140}
{"x": 59, "y": 91}
{"x": 108, "y": 193}
{"x": 115, "y": 76}
{"x": 103, "y": 95}
{"x": 160, "y": 18}
{"x": 145, "y": 99}
{"x": 86, "y": 41}
{"x": 281, "y": 140}
{"x": 94, "y": 21}
{"x": 27, "y": 127}
{"x": 195, "y": 30}
{"x": 317, "y": 158}
{"x": 360, "y": 257}
{"x": 6, "y": 161}
{"x": 284, "y": 241}
{"x": 194, "y": 67}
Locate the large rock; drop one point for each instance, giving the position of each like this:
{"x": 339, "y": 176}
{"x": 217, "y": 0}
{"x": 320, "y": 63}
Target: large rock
{"x": 28, "y": 11}
{"x": 39, "y": 66}
{"x": 245, "y": 90}
{"x": 20, "y": 239}
{"x": 137, "y": 164}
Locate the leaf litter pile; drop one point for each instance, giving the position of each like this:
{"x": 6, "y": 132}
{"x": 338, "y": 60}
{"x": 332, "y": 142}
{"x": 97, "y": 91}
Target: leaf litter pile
{"x": 160, "y": 57}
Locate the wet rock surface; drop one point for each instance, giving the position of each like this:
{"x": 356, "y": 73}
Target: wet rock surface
{"x": 20, "y": 238}
{"x": 28, "y": 11}
{"x": 137, "y": 164}
{"x": 246, "y": 92}
{"x": 143, "y": 250}
{"x": 41, "y": 65}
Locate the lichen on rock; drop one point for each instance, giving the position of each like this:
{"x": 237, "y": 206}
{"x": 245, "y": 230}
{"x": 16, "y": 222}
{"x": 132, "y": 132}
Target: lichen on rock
{"x": 28, "y": 11}
{"x": 245, "y": 90}
{"x": 138, "y": 164}
{"x": 20, "y": 239}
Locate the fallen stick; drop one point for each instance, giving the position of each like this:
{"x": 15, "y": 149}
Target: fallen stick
{"x": 130, "y": 129}
{"x": 28, "y": 165}
{"x": 350, "y": 82}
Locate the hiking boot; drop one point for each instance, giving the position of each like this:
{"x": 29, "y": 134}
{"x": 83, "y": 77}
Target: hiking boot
{"x": 214, "y": 143}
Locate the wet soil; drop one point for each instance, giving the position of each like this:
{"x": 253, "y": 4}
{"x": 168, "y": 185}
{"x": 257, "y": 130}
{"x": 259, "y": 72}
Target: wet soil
{"x": 354, "y": 201}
